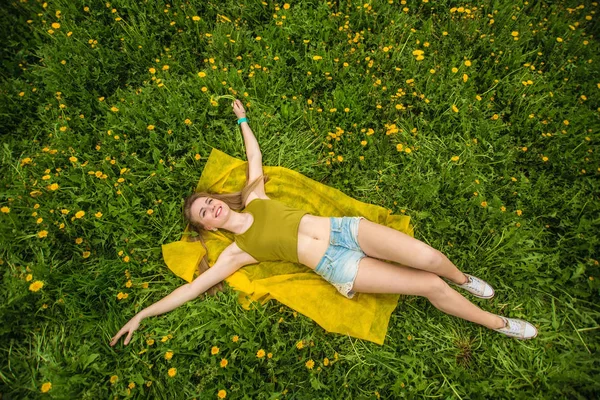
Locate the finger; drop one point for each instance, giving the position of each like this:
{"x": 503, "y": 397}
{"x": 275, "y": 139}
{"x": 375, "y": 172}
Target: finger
{"x": 128, "y": 339}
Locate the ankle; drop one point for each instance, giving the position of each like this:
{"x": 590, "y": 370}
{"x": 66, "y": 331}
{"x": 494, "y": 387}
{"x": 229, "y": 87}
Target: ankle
{"x": 464, "y": 279}
{"x": 499, "y": 323}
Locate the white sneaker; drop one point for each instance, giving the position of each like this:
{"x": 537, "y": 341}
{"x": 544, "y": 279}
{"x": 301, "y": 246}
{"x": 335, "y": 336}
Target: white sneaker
{"x": 518, "y": 328}
{"x": 477, "y": 287}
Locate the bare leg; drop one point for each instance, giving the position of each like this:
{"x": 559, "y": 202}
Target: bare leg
{"x": 446, "y": 269}
{"x": 376, "y": 276}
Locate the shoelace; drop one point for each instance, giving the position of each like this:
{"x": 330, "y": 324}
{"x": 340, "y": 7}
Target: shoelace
{"x": 473, "y": 283}
{"x": 514, "y": 327}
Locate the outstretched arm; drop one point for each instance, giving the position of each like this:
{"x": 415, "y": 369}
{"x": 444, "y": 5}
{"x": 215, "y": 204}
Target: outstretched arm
{"x": 225, "y": 265}
{"x": 252, "y": 148}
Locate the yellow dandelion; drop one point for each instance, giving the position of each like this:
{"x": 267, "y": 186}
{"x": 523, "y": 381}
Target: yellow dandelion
{"x": 29, "y": 277}
{"x": 514, "y": 33}
{"x": 310, "y": 364}
{"x": 519, "y": 212}
{"x": 224, "y": 363}
{"x": 165, "y": 67}
{"x": 150, "y": 342}
{"x": 399, "y": 147}
{"x": 454, "y": 108}
{"x": 260, "y": 353}
{"x": 495, "y": 117}
{"x": 222, "y": 394}
{"x": 286, "y": 6}
{"x": 150, "y": 127}
{"x": 235, "y": 338}
{"x": 78, "y": 241}
{"x": 300, "y": 345}
{"x": 46, "y": 387}
{"x": 35, "y": 286}
{"x": 150, "y": 212}
{"x": 214, "y": 350}
{"x": 566, "y": 122}
{"x": 340, "y": 158}
{"x": 42, "y": 234}
{"x": 484, "y": 204}
{"x": 468, "y": 63}
{"x": 188, "y": 121}
{"x": 55, "y": 25}
{"x": 5, "y": 210}
{"x": 172, "y": 372}
{"x": 465, "y": 77}
{"x": 152, "y": 70}
{"x": 168, "y": 355}
{"x": 455, "y": 158}
{"x": 114, "y": 109}
{"x": 126, "y": 259}
{"x": 98, "y": 214}
{"x": 454, "y": 70}
{"x": 114, "y": 379}
{"x": 79, "y": 214}
{"x": 201, "y": 74}
{"x": 86, "y": 254}
{"x": 197, "y": 156}
{"x": 196, "y": 18}
{"x": 559, "y": 39}
{"x": 326, "y": 361}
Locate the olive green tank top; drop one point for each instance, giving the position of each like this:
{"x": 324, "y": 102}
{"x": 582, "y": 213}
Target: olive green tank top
{"x": 273, "y": 236}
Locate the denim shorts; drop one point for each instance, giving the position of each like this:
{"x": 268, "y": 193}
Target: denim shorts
{"x": 339, "y": 265}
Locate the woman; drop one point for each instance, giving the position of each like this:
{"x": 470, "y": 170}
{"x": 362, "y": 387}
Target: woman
{"x": 346, "y": 251}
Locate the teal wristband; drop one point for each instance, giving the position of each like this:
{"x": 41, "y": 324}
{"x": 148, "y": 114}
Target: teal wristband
{"x": 242, "y": 120}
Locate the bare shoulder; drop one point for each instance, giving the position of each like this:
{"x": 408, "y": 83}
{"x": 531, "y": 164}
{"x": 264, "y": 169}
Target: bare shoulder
{"x": 256, "y": 194}
{"x": 238, "y": 256}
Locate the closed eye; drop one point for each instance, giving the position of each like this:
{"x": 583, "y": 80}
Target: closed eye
{"x": 204, "y": 212}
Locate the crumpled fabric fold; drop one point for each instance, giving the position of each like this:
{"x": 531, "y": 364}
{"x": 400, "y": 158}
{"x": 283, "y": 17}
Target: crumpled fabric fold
{"x": 366, "y": 316}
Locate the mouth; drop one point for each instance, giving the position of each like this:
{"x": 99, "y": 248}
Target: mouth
{"x": 218, "y": 212}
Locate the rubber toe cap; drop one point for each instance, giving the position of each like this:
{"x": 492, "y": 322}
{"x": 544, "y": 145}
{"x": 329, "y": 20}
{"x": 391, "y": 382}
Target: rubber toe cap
{"x": 530, "y": 331}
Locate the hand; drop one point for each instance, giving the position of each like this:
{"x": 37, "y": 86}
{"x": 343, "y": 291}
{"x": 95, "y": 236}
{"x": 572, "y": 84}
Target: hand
{"x": 130, "y": 327}
{"x": 238, "y": 109}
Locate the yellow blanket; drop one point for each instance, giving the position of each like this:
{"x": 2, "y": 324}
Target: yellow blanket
{"x": 366, "y": 316}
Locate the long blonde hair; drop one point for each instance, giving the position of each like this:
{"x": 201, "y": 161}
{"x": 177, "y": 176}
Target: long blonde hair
{"x": 235, "y": 201}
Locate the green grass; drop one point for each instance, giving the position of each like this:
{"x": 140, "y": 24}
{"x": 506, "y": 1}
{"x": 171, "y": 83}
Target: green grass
{"x": 535, "y": 239}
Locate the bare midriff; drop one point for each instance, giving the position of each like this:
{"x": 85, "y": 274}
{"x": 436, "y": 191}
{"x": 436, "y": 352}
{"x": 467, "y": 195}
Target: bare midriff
{"x": 313, "y": 239}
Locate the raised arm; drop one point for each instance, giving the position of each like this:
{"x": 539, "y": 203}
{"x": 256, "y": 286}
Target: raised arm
{"x": 252, "y": 148}
{"x": 226, "y": 264}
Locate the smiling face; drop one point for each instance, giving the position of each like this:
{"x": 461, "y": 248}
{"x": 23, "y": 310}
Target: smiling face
{"x": 211, "y": 213}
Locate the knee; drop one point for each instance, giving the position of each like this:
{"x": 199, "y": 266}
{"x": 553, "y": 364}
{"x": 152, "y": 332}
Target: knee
{"x": 436, "y": 287}
{"x": 434, "y": 258}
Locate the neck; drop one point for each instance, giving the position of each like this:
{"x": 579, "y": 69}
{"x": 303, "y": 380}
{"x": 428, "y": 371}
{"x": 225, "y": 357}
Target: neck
{"x": 238, "y": 223}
